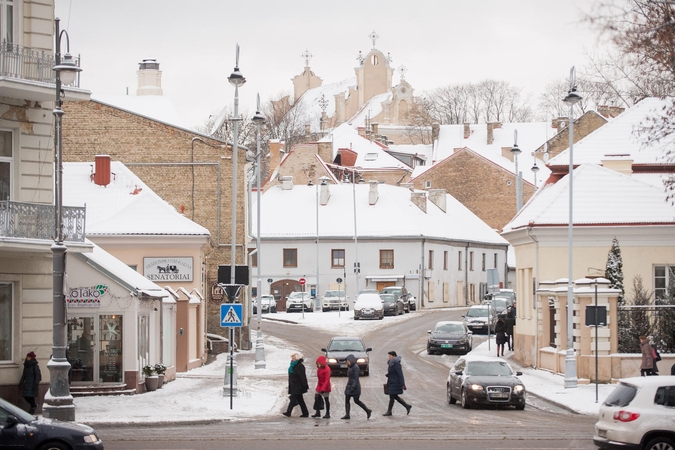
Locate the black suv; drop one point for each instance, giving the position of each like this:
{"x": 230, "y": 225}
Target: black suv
{"x": 402, "y": 292}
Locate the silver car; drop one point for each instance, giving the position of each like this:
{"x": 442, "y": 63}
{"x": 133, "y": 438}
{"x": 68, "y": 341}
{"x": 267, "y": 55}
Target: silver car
{"x": 481, "y": 319}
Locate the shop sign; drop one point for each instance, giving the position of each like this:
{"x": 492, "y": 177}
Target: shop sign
{"x": 168, "y": 269}
{"x": 86, "y": 296}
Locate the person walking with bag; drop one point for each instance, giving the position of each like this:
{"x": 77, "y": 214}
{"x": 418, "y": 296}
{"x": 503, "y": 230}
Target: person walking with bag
{"x": 353, "y": 387}
{"x": 500, "y": 335}
{"x": 395, "y": 383}
{"x": 297, "y": 386}
{"x": 647, "y": 359}
{"x": 30, "y": 381}
{"x": 322, "y": 388}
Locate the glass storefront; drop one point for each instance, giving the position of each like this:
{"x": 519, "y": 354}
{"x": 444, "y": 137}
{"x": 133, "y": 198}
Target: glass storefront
{"x": 95, "y": 349}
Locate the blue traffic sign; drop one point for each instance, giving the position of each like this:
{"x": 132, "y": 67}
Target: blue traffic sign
{"x": 231, "y": 314}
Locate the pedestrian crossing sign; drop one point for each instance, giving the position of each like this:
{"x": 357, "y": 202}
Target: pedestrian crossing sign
{"x": 231, "y": 314}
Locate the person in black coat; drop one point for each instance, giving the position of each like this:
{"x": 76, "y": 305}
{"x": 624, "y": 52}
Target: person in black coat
{"x": 353, "y": 387}
{"x": 396, "y": 383}
{"x": 297, "y": 386}
{"x": 500, "y": 335}
{"x": 510, "y": 321}
{"x": 30, "y": 381}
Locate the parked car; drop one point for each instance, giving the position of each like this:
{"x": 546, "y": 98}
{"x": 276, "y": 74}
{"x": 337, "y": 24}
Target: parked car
{"x": 393, "y": 305}
{"x": 402, "y": 292}
{"x": 484, "y": 380}
{"x": 639, "y": 414}
{"x": 499, "y": 303}
{"x": 340, "y": 347}
{"x": 368, "y": 306}
{"x": 299, "y": 301}
{"x": 333, "y": 299}
{"x": 449, "y": 337}
{"x": 21, "y": 430}
{"x": 479, "y": 317}
{"x": 268, "y": 304}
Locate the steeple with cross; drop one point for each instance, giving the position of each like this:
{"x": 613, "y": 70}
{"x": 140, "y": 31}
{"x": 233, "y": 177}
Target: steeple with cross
{"x": 374, "y": 37}
{"x": 307, "y": 56}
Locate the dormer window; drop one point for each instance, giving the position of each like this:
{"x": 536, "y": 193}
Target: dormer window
{"x": 370, "y": 157}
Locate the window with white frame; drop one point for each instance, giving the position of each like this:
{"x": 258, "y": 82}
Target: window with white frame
{"x": 6, "y": 321}
{"x": 663, "y": 276}
{"x": 6, "y": 166}
{"x": 7, "y": 20}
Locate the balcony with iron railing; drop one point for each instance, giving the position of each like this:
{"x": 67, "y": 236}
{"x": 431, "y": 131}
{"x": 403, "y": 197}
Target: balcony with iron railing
{"x": 21, "y": 220}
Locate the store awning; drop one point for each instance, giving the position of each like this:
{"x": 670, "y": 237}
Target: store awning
{"x": 384, "y": 278}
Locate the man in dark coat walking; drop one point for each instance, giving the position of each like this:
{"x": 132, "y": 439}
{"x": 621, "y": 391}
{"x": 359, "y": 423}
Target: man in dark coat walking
{"x": 510, "y": 322}
{"x": 30, "y": 381}
{"x": 353, "y": 388}
{"x": 396, "y": 383}
{"x": 297, "y": 386}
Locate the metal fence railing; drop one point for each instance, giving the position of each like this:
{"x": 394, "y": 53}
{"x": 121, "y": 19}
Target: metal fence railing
{"x": 655, "y": 321}
{"x": 36, "y": 221}
{"x": 26, "y": 63}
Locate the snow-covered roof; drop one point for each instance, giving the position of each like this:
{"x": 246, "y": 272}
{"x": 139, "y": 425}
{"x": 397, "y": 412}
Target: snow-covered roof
{"x": 309, "y": 105}
{"x": 125, "y": 206}
{"x": 394, "y": 215}
{"x": 601, "y": 197}
{"x": 370, "y": 109}
{"x": 530, "y": 137}
{"x": 156, "y": 107}
{"x": 618, "y": 137}
{"x": 371, "y": 155}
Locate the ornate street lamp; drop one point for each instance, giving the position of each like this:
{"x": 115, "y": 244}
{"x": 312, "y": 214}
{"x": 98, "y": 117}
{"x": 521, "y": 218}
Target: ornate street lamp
{"x": 58, "y": 401}
{"x": 258, "y": 120}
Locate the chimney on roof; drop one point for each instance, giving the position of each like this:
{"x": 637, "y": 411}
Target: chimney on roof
{"x": 324, "y": 194}
{"x": 375, "y": 127}
{"x": 439, "y": 198}
{"x": 467, "y": 130}
{"x": 373, "y": 194}
{"x": 419, "y": 199}
{"x": 275, "y": 154}
{"x": 362, "y": 131}
{"x": 619, "y": 163}
{"x": 287, "y": 183}
{"x": 506, "y": 153}
{"x": 102, "y": 170}
{"x": 308, "y": 132}
{"x": 149, "y": 78}
{"x": 435, "y": 131}
{"x": 490, "y": 133}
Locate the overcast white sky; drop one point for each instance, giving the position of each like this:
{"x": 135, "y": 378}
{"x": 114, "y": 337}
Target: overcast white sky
{"x": 526, "y": 42}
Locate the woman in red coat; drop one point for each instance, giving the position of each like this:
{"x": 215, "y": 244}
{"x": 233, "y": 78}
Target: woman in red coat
{"x": 322, "y": 386}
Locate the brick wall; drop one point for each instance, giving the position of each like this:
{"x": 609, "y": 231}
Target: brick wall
{"x": 583, "y": 126}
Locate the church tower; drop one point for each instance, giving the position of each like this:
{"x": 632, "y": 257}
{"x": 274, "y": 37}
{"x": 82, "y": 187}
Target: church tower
{"x": 306, "y": 80}
{"x": 374, "y": 74}
{"x": 149, "y": 78}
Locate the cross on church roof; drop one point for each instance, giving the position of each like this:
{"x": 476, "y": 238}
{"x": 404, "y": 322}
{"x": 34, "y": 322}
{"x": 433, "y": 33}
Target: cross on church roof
{"x": 323, "y": 102}
{"x": 307, "y": 56}
{"x": 402, "y": 70}
{"x": 373, "y": 37}
{"x": 360, "y": 58}
{"x": 389, "y": 58}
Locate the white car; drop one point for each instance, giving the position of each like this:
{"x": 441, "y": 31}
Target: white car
{"x": 269, "y": 304}
{"x": 334, "y": 299}
{"x": 639, "y": 414}
{"x": 299, "y": 301}
{"x": 369, "y": 306}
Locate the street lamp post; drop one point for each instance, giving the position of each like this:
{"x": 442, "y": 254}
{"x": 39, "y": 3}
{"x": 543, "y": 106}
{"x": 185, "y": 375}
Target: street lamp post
{"x": 570, "y": 361}
{"x": 236, "y": 79}
{"x": 258, "y": 119}
{"x": 535, "y": 171}
{"x": 516, "y": 151}
{"x": 58, "y": 401}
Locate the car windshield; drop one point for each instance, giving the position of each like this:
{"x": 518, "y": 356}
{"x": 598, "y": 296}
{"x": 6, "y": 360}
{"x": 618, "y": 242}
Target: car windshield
{"x": 330, "y": 294}
{"x": 346, "y": 346}
{"x": 621, "y": 396}
{"x": 388, "y": 298}
{"x": 477, "y": 312}
{"x": 15, "y": 411}
{"x": 298, "y": 295}
{"x": 449, "y": 328}
{"x": 488, "y": 368}
{"x": 395, "y": 291}
{"x": 499, "y": 303}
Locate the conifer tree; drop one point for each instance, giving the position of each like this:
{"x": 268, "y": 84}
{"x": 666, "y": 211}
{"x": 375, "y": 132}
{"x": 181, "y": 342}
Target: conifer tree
{"x": 634, "y": 323}
{"x": 614, "y": 269}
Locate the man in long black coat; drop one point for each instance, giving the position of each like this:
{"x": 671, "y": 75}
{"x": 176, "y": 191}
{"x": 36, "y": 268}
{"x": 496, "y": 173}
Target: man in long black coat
{"x": 297, "y": 386}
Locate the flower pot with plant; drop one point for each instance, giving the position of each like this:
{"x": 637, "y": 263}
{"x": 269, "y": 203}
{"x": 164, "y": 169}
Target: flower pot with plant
{"x": 161, "y": 370}
{"x": 151, "y": 379}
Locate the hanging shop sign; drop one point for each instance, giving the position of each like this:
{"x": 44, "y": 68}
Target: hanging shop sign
{"x": 168, "y": 269}
{"x": 87, "y": 297}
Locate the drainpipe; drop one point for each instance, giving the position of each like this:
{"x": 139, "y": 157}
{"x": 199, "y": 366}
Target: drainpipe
{"x": 466, "y": 275}
{"x": 421, "y": 287}
{"x": 536, "y": 303}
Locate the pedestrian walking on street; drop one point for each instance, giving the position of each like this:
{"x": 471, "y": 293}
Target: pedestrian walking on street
{"x": 510, "y": 322}
{"x": 297, "y": 386}
{"x": 396, "y": 383}
{"x": 656, "y": 357}
{"x": 30, "y": 381}
{"x": 353, "y": 388}
{"x": 322, "y": 387}
{"x": 647, "y": 360}
{"x": 500, "y": 335}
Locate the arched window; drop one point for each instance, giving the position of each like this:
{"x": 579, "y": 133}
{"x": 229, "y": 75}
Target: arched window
{"x": 374, "y": 60}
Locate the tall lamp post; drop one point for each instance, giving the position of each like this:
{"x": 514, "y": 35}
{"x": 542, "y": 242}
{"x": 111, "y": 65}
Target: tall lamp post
{"x": 570, "y": 361}
{"x": 58, "y": 401}
{"x": 258, "y": 120}
{"x": 237, "y": 80}
{"x": 516, "y": 151}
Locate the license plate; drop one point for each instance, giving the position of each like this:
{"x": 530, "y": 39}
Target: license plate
{"x": 446, "y": 345}
{"x": 499, "y": 395}
{"x": 343, "y": 366}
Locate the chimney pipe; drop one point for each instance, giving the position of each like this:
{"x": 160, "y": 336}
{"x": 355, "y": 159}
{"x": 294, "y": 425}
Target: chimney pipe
{"x": 102, "y": 170}
{"x": 373, "y": 194}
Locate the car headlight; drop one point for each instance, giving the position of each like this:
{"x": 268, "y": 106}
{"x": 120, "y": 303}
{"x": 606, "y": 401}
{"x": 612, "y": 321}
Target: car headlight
{"x": 476, "y": 387}
{"x": 518, "y": 388}
{"x": 362, "y": 361}
{"x": 463, "y": 341}
{"x": 332, "y": 361}
{"x": 90, "y": 438}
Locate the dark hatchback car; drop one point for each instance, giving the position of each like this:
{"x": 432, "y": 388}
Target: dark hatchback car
{"x": 393, "y": 305}
{"x": 484, "y": 380}
{"x": 340, "y": 347}
{"x": 20, "y": 430}
{"x": 449, "y": 337}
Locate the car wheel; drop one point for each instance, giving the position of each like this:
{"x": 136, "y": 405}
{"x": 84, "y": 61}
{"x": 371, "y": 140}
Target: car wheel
{"x": 54, "y": 446}
{"x": 451, "y": 400}
{"x": 430, "y": 352}
{"x": 464, "y": 399}
{"x": 660, "y": 443}
{"x": 356, "y": 318}
{"x": 324, "y": 309}
{"x": 521, "y": 406}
